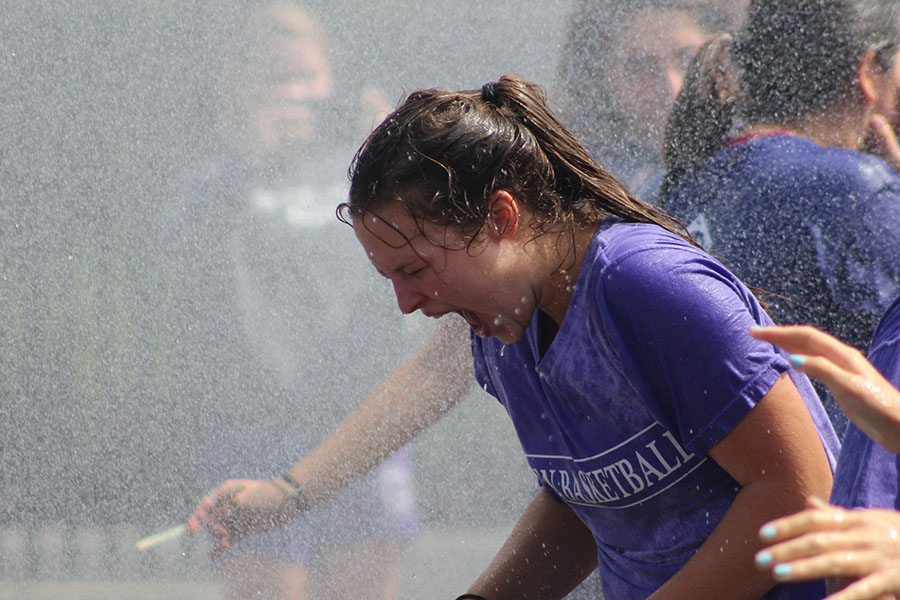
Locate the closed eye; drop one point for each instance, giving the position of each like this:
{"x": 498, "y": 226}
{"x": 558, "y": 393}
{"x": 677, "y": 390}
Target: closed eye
{"x": 415, "y": 272}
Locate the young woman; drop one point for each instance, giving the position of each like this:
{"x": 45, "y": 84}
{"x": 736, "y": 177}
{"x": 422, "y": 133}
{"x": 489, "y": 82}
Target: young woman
{"x": 260, "y": 324}
{"x": 662, "y": 436}
{"x": 621, "y": 68}
{"x": 829, "y": 541}
{"x": 763, "y": 164}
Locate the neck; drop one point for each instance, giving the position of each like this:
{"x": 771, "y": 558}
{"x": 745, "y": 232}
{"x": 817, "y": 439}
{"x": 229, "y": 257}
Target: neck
{"x": 562, "y": 261}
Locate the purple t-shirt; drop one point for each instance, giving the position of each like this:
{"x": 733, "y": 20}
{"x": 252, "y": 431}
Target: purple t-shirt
{"x": 867, "y": 474}
{"x": 652, "y": 366}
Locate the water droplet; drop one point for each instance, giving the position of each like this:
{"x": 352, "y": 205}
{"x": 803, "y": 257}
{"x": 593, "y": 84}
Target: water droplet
{"x": 435, "y": 292}
{"x": 544, "y": 415}
{"x": 524, "y": 299}
{"x": 518, "y": 311}
{"x": 497, "y": 321}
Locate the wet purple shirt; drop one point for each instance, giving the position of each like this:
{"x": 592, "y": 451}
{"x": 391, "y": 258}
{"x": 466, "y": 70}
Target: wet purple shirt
{"x": 868, "y": 475}
{"x": 651, "y": 368}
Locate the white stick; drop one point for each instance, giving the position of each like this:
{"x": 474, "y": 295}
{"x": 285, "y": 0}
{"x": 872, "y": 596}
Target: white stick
{"x": 156, "y": 539}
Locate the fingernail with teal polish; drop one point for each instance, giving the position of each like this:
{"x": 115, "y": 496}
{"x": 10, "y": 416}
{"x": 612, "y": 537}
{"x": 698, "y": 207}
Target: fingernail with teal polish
{"x": 764, "y": 559}
{"x": 767, "y": 532}
{"x": 797, "y": 360}
{"x": 782, "y": 570}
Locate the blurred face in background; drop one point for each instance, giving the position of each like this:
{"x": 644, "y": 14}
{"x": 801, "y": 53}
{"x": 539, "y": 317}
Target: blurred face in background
{"x": 645, "y": 68}
{"x": 889, "y": 94}
{"x": 279, "y": 93}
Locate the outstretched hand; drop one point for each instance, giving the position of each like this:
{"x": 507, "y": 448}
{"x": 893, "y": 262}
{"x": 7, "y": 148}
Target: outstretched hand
{"x": 859, "y": 546}
{"x": 864, "y": 395}
{"x": 238, "y": 508}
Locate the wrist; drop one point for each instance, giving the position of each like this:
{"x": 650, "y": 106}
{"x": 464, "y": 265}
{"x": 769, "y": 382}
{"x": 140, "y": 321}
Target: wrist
{"x": 293, "y": 491}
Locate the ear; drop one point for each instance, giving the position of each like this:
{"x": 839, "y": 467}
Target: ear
{"x": 870, "y": 76}
{"x": 503, "y": 214}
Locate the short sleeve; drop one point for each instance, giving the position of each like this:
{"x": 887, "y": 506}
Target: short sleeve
{"x": 680, "y": 321}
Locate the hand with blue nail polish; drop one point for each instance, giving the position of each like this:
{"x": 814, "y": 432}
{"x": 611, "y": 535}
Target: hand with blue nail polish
{"x": 866, "y": 397}
{"x": 859, "y": 549}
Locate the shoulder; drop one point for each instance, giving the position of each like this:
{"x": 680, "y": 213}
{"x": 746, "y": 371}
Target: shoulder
{"x": 822, "y": 168}
{"x": 630, "y": 252}
{"x": 644, "y": 268}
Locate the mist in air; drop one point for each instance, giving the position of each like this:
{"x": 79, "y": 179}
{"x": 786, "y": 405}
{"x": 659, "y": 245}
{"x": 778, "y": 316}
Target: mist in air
{"x": 179, "y": 304}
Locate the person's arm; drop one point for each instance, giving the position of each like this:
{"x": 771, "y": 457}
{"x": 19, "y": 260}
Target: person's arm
{"x": 548, "y": 553}
{"x": 776, "y": 455}
{"x": 829, "y": 541}
{"x": 861, "y": 391}
{"x": 409, "y": 399}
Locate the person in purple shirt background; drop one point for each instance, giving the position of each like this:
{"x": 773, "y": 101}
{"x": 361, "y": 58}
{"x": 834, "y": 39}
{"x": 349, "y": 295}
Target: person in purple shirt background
{"x": 662, "y": 436}
{"x": 861, "y": 546}
{"x": 763, "y": 166}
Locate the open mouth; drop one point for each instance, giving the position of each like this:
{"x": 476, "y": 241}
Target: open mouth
{"x": 474, "y": 322}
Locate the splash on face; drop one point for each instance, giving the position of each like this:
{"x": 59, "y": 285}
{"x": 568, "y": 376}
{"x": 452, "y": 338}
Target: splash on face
{"x": 435, "y": 271}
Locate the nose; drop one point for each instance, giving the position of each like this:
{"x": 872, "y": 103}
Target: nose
{"x": 408, "y": 299}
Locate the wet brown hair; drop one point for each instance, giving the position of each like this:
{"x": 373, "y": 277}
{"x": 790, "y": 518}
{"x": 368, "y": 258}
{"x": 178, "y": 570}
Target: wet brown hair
{"x": 442, "y": 154}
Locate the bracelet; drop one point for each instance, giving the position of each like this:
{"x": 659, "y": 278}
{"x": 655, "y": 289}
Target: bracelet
{"x": 471, "y": 597}
{"x": 291, "y": 488}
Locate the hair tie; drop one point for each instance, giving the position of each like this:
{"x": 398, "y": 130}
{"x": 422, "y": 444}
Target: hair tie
{"x": 489, "y": 92}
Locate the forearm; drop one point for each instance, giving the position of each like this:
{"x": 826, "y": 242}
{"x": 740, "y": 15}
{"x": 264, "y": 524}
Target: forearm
{"x": 547, "y": 554}
{"x": 723, "y": 566}
{"x": 406, "y": 401}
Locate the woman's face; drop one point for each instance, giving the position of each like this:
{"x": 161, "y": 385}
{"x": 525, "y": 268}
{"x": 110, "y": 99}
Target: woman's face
{"x": 285, "y": 92}
{"x": 645, "y": 68}
{"x": 436, "y": 273}
{"x": 277, "y": 89}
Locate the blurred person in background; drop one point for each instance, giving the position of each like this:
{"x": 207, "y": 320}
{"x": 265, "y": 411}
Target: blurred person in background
{"x": 622, "y": 66}
{"x": 764, "y": 169}
{"x": 277, "y": 322}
